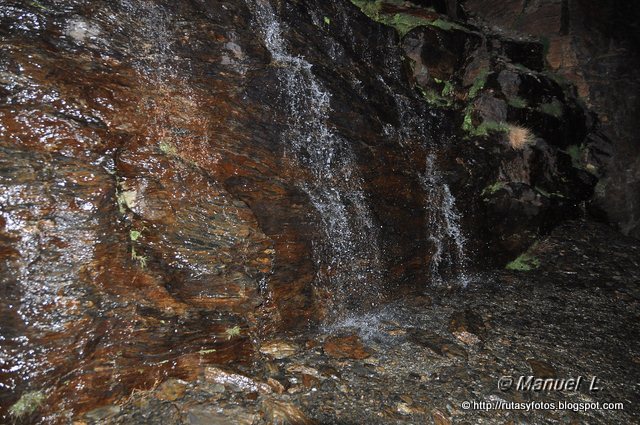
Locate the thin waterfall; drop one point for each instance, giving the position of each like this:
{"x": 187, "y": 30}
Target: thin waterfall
{"x": 348, "y": 258}
{"x": 449, "y": 259}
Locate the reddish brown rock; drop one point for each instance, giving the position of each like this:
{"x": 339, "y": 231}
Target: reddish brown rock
{"x": 309, "y": 381}
{"x": 347, "y": 347}
{"x": 171, "y": 390}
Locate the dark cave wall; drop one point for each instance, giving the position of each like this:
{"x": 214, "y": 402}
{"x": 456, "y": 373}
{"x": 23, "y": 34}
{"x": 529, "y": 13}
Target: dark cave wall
{"x": 594, "y": 44}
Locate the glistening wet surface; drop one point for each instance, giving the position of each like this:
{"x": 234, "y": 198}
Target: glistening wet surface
{"x": 112, "y": 269}
{"x": 187, "y": 188}
{"x": 418, "y": 359}
{"x": 148, "y": 186}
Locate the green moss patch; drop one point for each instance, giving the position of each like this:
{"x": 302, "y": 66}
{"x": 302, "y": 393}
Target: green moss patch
{"x": 140, "y": 259}
{"x": 493, "y": 188}
{"x": 402, "y": 22}
{"x": 446, "y": 25}
{"x": 434, "y": 98}
{"x": 167, "y": 148}
{"x": 467, "y": 123}
{"x": 579, "y": 159}
{"x": 517, "y": 102}
{"x": 28, "y": 403}
{"x": 448, "y": 89}
{"x": 234, "y": 331}
{"x": 575, "y": 152}
{"x": 523, "y": 263}
{"x": 491, "y": 126}
{"x": 553, "y": 108}
{"x": 478, "y": 83}
{"x": 484, "y": 128}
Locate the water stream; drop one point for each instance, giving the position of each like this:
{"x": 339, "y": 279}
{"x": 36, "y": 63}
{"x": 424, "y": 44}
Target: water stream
{"x": 443, "y": 230}
{"x": 449, "y": 260}
{"x": 348, "y": 257}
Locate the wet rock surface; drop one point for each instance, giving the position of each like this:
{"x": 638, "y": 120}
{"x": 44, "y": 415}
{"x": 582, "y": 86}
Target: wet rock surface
{"x": 542, "y": 323}
{"x": 152, "y": 217}
{"x": 526, "y": 126}
{"x": 186, "y": 188}
{"x": 593, "y": 44}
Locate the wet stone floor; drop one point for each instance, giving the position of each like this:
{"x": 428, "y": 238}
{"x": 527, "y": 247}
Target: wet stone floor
{"x": 418, "y": 360}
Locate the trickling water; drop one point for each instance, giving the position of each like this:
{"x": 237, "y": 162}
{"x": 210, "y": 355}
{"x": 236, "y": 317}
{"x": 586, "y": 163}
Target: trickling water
{"x": 449, "y": 260}
{"x": 443, "y": 227}
{"x": 153, "y": 38}
{"x": 350, "y": 250}
{"x": 348, "y": 258}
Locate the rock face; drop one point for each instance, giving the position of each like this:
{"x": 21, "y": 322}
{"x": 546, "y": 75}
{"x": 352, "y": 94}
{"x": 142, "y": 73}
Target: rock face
{"x": 524, "y": 156}
{"x": 345, "y": 347}
{"x": 593, "y": 44}
{"x": 159, "y": 203}
{"x": 179, "y": 178}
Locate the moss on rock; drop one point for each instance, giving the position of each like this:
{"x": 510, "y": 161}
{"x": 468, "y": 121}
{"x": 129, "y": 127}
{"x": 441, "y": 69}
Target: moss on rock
{"x": 27, "y": 404}
{"x": 553, "y": 108}
{"x": 524, "y": 262}
{"x": 402, "y": 22}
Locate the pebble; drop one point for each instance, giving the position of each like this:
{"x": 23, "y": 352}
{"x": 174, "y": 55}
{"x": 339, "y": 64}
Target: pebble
{"x": 171, "y": 390}
{"x": 275, "y": 385}
{"x": 236, "y": 382}
{"x": 279, "y": 349}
